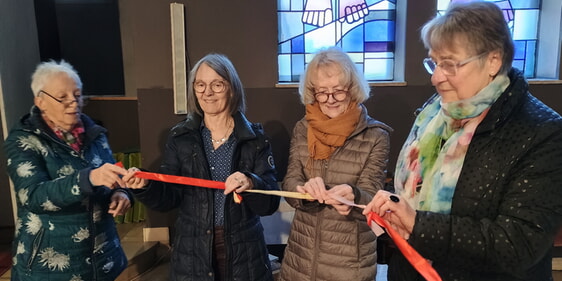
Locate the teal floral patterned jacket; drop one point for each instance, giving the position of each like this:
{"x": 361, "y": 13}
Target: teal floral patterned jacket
{"x": 63, "y": 230}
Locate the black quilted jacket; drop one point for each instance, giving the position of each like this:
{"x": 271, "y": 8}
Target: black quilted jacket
{"x": 507, "y": 205}
{"x": 247, "y": 257}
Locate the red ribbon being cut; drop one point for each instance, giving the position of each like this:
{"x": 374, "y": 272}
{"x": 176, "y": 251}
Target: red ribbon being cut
{"x": 417, "y": 261}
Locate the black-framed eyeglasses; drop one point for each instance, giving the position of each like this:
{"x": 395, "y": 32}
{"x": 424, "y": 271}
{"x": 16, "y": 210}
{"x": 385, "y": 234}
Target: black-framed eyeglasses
{"x": 217, "y": 86}
{"x": 337, "y": 95}
{"x": 448, "y": 66}
{"x": 65, "y": 102}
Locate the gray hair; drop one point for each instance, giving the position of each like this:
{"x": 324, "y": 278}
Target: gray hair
{"x": 224, "y": 68}
{"x": 352, "y": 79}
{"x": 45, "y": 71}
{"x": 481, "y": 24}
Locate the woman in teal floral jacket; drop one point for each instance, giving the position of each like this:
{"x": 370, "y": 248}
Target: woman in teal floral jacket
{"x": 60, "y": 164}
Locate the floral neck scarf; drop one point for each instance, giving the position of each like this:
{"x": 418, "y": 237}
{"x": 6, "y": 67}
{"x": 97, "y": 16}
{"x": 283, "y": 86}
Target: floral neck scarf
{"x": 432, "y": 157}
{"x": 73, "y": 138}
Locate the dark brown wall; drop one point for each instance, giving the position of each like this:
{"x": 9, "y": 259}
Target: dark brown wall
{"x": 246, "y": 31}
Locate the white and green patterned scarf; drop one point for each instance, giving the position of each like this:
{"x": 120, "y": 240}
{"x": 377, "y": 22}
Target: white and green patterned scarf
{"x": 432, "y": 157}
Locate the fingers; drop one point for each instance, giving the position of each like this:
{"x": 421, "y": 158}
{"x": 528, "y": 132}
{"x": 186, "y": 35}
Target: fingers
{"x": 341, "y": 190}
{"x": 377, "y": 205}
{"x": 317, "y": 189}
{"x": 134, "y": 182}
{"x": 108, "y": 175}
{"x": 119, "y": 204}
{"x": 237, "y": 182}
{"x": 342, "y": 209}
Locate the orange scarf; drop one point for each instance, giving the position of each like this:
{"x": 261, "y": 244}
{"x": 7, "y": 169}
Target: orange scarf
{"x": 325, "y": 134}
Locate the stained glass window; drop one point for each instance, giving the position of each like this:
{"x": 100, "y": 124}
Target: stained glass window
{"x": 363, "y": 28}
{"x": 522, "y": 17}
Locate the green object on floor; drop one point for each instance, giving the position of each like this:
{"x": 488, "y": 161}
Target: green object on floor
{"x": 138, "y": 211}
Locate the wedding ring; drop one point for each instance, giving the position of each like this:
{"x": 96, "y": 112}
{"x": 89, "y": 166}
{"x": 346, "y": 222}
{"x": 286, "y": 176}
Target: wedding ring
{"x": 394, "y": 198}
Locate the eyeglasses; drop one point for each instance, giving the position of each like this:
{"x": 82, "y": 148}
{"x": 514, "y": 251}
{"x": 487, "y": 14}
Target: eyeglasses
{"x": 338, "y": 95}
{"x": 448, "y": 66}
{"x": 217, "y": 86}
{"x": 66, "y": 102}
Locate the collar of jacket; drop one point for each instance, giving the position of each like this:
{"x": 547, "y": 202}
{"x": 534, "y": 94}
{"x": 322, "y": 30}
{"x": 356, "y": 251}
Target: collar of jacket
{"x": 242, "y": 127}
{"x": 510, "y": 100}
{"x": 366, "y": 121}
{"x": 33, "y": 122}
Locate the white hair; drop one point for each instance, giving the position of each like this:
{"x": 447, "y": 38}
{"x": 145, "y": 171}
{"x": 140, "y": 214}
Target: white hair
{"x": 45, "y": 71}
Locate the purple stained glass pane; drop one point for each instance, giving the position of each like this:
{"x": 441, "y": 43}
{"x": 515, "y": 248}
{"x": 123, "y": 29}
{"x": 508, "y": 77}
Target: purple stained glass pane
{"x": 379, "y": 46}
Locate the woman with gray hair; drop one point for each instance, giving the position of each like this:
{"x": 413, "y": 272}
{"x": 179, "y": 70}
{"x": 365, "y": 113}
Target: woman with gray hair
{"x": 479, "y": 179}
{"x": 216, "y": 238}
{"x": 66, "y": 184}
{"x": 337, "y": 149}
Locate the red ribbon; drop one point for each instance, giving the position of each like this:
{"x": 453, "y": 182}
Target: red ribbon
{"x": 180, "y": 180}
{"x": 186, "y": 181}
{"x": 417, "y": 261}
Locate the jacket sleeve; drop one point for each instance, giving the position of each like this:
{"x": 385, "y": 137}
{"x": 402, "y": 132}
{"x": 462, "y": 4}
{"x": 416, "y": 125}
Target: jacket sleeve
{"x": 529, "y": 214}
{"x": 295, "y": 170}
{"x": 162, "y": 196}
{"x": 35, "y": 189}
{"x": 373, "y": 175}
{"x": 264, "y": 177}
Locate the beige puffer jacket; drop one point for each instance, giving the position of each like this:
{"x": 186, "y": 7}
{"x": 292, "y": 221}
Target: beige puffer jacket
{"x": 324, "y": 245}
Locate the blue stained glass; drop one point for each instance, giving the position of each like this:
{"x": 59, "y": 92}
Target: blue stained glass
{"x": 296, "y": 5}
{"x": 353, "y": 40}
{"x": 530, "y": 64}
{"x": 525, "y": 4}
{"x": 379, "y": 31}
{"x": 297, "y": 45}
{"x": 520, "y": 51}
{"x": 526, "y": 25}
{"x": 297, "y": 66}
{"x": 379, "y": 69}
{"x": 310, "y": 25}
{"x": 522, "y": 17}
{"x": 284, "y": 62}
{"x": 287, "y": 29}
{"x": 519, "y": 64}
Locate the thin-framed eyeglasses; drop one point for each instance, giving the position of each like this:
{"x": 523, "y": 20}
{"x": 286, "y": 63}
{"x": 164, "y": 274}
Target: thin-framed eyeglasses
{"x": 448, "y": 66}
{"x": 217, "y": 86}
{"x": 337, "y": 95}
{"x": 65, "y": 102}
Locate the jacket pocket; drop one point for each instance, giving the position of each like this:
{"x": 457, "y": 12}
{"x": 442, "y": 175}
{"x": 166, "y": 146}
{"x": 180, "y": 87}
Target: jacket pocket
{"x": 35, "y": 248}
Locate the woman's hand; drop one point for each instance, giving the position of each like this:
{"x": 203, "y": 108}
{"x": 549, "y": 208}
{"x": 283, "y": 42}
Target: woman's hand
{"x": 108, "y": 175}
{"x": 133, "y": 182}
{"x": 237, "y": 182}
{"x": 316, "y": 188}
{"x": 397, "y": 212}
{"x": 119, "y": 203}
{"x": 344, "y": 191}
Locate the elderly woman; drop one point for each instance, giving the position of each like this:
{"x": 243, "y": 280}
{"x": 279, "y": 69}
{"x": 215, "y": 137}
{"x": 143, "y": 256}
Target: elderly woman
{"x": 60, "y": 164}
{"x": 479, "y": 179}
{"x": 336, "y": 149}
{"x": 216, "y": 238}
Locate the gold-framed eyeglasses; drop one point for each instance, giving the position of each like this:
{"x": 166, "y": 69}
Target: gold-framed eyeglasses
{"x": 337, "y": 95}
{"x": 217, "y": 86}
{"x": 448, "y": 66}
{"x": 66, "y": 102}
